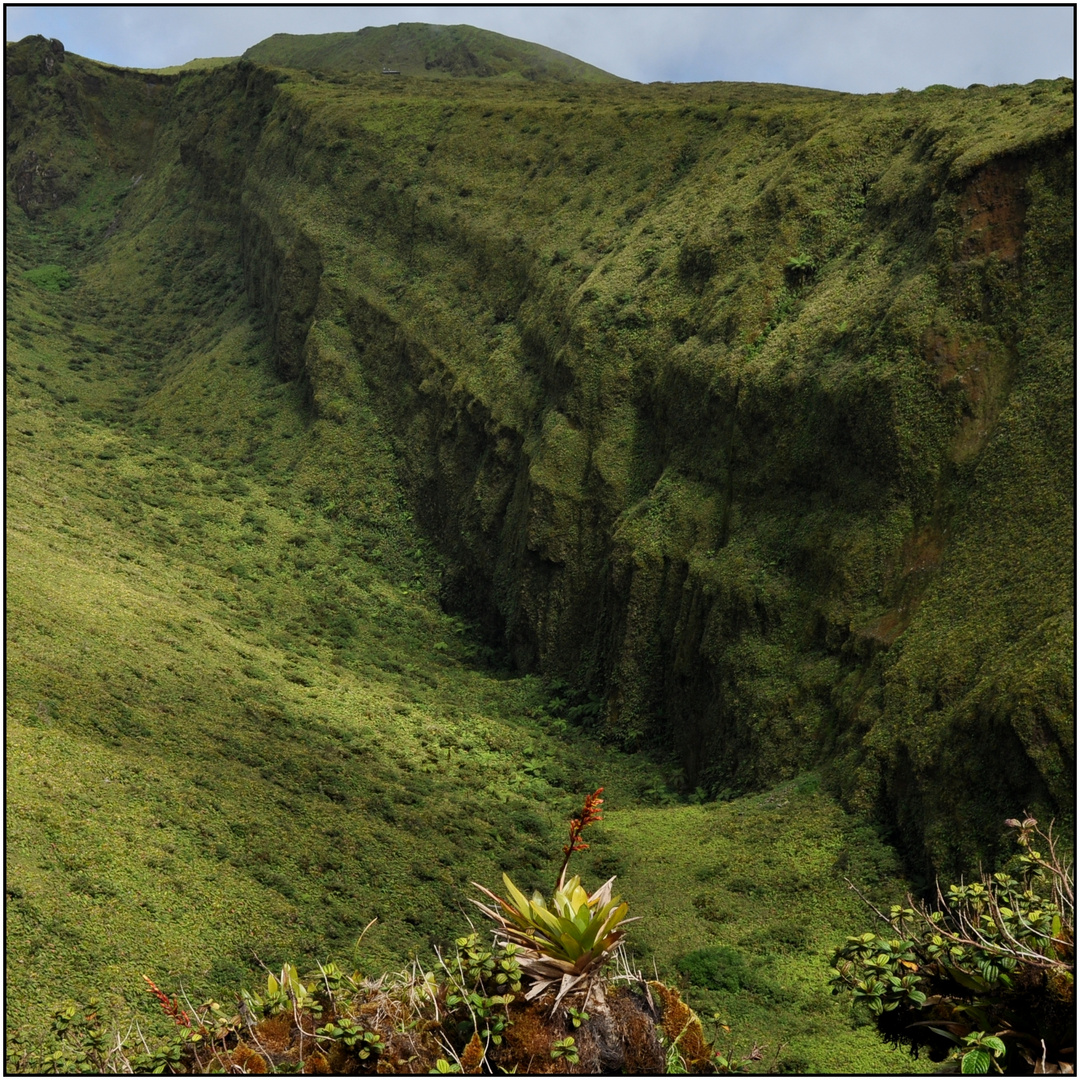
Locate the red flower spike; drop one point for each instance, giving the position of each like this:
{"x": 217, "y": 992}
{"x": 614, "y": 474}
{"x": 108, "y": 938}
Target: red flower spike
{"x": 170, "y": 1007}
{"x": 589, "y": 816}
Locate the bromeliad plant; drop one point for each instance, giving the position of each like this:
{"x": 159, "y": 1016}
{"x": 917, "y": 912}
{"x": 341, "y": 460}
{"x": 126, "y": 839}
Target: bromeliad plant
{"x": 565, "y": 944}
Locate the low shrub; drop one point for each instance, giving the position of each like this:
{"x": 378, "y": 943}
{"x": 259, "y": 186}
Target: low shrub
{"x": 51, "y": 278}
{"x": 985, "y": 976}
{"x": 715, "y": 968}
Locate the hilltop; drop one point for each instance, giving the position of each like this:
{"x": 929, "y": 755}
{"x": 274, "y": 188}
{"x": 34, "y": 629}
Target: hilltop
{"x": 425, "y": 50}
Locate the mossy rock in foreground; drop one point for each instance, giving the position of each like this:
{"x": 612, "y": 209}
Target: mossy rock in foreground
{"x": 393, "y": 1025}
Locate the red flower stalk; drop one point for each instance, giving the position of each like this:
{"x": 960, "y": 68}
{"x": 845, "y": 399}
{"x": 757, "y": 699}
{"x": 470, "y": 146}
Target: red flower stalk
{"x": 171, "y": 1007}
{"x": 589, "y": 816}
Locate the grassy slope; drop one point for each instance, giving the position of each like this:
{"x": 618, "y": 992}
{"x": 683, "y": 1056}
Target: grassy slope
{"x": 294, "y": 730}
{"x": 186, "y": 790}
{"x": 423, "y": 50}
{"x": 759, "y": 875}
{"x": 199, "y": 64}
{"x": 238, "y": 721}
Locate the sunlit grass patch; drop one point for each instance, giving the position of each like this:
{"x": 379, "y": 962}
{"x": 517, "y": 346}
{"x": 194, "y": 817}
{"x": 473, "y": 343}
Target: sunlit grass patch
{"x": 741, "y": 900}
{"x": 51, "y": 278}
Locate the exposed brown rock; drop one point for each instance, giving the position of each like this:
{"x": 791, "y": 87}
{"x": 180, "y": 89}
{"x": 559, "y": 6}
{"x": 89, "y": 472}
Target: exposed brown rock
{"x": 992, "y": 207}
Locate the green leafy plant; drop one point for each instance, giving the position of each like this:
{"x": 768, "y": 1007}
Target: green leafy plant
{"x": 978, "y": 1051}
{"x": 51, "y": 278}
{"x": 577, "y": 1016}
{"x": 987, "y": 974}
{"x": 79, "y": 1043}
{"x": 800, "y": 268}
{"x": 362, "y": 1042}
{"x": 283, "y": 991}
{"x": 166, "y": 1056}
{"x": 335, "y": 979}
{"x": 478, "y": 971}
{"x": 801, "y": 262}
{"x": 565, "y": 945}
{"x": 674, "y": 1062}
{"x": 483, "y": 966}
{"x": 565, "y": 1048}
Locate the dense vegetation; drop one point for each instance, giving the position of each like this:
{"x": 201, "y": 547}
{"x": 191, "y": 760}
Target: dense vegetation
{"x": 391, "y": 461}
{"x": 986, "y": 974}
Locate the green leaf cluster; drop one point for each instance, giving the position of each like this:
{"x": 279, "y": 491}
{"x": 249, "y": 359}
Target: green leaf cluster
{"x": 579, "y": 930}
{"x": 78, "y": 1042}
{"x": 362, "y": 1042}
{"x": 566, "y": 943}
{"x": 565, "y": 1048}
{"x": 481, "y": 985}
{"x": 988, "y": 973}
{"x": 283, "y": 991}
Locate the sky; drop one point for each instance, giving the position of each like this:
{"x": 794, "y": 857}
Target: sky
{"x": 859, "y": 49}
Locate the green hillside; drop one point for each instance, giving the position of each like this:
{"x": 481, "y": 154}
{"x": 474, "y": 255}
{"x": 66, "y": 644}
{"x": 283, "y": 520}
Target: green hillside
{"x": 199, "y": 64}
{"x": 422, "y": 49}
{"x": 391, "y": 462}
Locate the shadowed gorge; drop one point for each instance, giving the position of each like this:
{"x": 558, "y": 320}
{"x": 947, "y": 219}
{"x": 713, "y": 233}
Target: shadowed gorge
{"x": 392, "y": 459}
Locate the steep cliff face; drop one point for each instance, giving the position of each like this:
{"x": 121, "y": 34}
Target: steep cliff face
{"x": 71, "y": 124}
{"x": 745, "y": 410}
{"x": 725, "y": 464}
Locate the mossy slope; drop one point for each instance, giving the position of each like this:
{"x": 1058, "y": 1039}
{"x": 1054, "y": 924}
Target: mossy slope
{"x": 747, "y": 407}
{"x": 232, "y": 698}
{"x": 239, "y": 724}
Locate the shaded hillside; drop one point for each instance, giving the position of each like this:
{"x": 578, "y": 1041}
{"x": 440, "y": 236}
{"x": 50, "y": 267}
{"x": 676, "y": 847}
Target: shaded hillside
{"x": 422, "y": 49}
{"x": 744, "y": 410}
